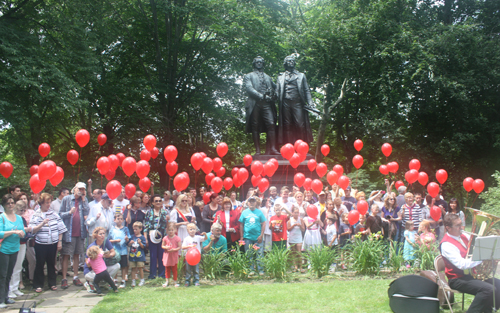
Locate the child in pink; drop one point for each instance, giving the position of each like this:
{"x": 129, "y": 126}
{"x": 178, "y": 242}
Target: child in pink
{"x": 171, "y": 246}
{"x": 96, "y": 262}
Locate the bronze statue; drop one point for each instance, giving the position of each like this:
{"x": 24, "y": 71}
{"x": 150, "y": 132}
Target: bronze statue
{"x": 260, "y": 108}
{"x": 294, "y": 101}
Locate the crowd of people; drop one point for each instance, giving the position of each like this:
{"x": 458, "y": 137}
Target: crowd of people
{"x": 102, "y": 237}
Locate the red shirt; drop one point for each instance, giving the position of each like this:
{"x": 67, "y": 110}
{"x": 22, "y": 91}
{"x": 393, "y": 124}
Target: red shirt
{"x": 76, "y": 230}
{"x": 278, "y": 227}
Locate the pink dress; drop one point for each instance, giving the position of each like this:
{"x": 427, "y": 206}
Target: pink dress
{"x": 428, "y": 238}
{"x": 171, "y": 258}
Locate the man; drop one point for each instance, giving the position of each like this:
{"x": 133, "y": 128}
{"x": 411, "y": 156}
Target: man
{"x": 273, "y": 194}
{"x": 192, "y": 191}
{"x": 252, "y": 227}
{"x": 15, "y": 190}
{"x": 96, "y": 195}
{"x": 294, "y": 99}
{"x": 120, "y": 203}
{"x": 321, "y": 204}
{"x": 74, "y": 211}
{"x": 400, "y": 199}
{"x": 199, "y": 197}
{"x": 175, "y": 195}
{"x": 348, "y": 200}
{"x": 216, "y": 242}
{"x": 101, "y": 215}
{"x": 235, "y": 203}
{"x": 260, "y": 109}
{"x": 56, "y": 204}
{"x": 284, "y": 200}
{"x": 457, "y": 267}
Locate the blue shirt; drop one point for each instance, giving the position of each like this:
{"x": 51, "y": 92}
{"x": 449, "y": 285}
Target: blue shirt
{"x": 119, "y": 233}
{"x": 219, "y": 246}
{"x": 10, "y": 245}
{"x": 137, "y": 253}
{"x": 252, "y": 223}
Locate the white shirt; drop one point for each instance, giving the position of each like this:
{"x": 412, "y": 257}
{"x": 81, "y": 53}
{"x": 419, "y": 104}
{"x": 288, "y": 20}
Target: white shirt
{"x": 331, "y": 231}
{"x": 197, "y": 239}
{"x": 106, "y": 219}
{"x": 119, "y": 206}
{"x": 452, "y": 254}
{"x": 56, "y": 205}
{"x": 288, "y": 204}
{"x": 228, "y": 217}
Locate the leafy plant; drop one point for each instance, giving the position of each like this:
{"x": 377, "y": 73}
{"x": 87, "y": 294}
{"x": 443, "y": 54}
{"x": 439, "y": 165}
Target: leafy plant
{"x": 239, "y": 263}
{"x": 425, "y": 256}
{"x": 181, "y": 267}
{"x": 396, "y": 259}
{"x": 213, "y": 264}
{"x": 367, "y": 255}
{"x": 320, "y": 259}
{"x": 491, "y": 197}
{"x": 276, "y": 263}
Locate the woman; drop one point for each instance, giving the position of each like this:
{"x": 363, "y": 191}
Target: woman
{"x": 339, "y": 207}
{"x": 11, "y": 231}
{"x": 426, "y": 236}
{"x": 374, "y": 223}
{"x": 168, "y": 204}
{"x": 48, "y": 240}
{"x": 411, "y": 211}
{"x": 308, "y": 197}
{"x": 208, "y": 213}
{"x": 30, "y": 249}
{"x": 99, "y": 236}
{"x": 329, "y": 213}
{"x": 391, "y": 213}
{"x": 376, "y": 198}
{"x": 228, "y": 218}
{"x": 145, "y": 205}
{"x": 182, "y": 215}
{"x": 155, "y": 226}
{"x": 454, "y": 209}
{"x": 133, "y": 213}
{"x": 301, "y": 204}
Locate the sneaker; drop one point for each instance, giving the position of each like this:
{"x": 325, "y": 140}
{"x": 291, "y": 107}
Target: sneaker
{"x": 133, "y": 283}
{"x": 165, "y": 284}
{"x": 116, "y": 281}
{"x": 186, "y": 285}
{"x": 123, "y": 285}
{"x": 87, "y": 286}
{"x": 18, "y": 293}
{"x": 9, "y": 301}
{"x": 142, "y": 282}
{"x": 64, "y": 284}
{"x": 77, "y": 282}
{"x": 176, "y": 285}
{"x": 3, "y": 305}
{"x": 197, "y": 284}
{"x": 12, "y": 295}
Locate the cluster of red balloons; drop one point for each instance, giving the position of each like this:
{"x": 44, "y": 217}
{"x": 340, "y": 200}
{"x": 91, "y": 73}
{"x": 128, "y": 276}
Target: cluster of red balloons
{"x": 47, "y": 170}
{"x": 391, "y": 167}
{"x": 259, "y": 171}
{"x": 199, "y": 160}
{"x": 295, "y": 154}
{"x": 469, "y": 183}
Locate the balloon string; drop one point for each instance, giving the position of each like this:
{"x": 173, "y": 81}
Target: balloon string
{"x": 80, "y": 159}
{"x": 95, "y": 162}
{"x": 466, "y": 199}
{"x": 474, "y": 200}
{"x": 195, "y": 178}
{"x": 357, "y": 178}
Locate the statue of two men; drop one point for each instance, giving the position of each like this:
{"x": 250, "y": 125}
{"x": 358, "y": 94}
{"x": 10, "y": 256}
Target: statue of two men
{"x": 294, "y": 96}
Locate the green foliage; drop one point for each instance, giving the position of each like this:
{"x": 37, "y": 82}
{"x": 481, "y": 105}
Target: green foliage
{"x": 396, "y": 260}
{"x": 320, "y": 258}
{"x": 367, "y": 255}
{"x": 491, "y": 197}
{"x": 239, "y": 263}
{"x": 276, "y": 263}
{"x": 425, "y": 256}
{"x": 213, "y": 265}
{"x": 181, "y": 268}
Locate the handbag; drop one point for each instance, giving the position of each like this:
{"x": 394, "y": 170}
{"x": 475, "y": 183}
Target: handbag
{"x": 112, "y": 261}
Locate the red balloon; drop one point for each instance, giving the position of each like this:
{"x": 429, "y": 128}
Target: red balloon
{"x": 171, "y": 168}
{"x": 311, "y": 164}
{"x": 362, "y": 207}
{"x": 263, "y": 185}
{"x": 411, "y": 176}
{"x": 433, "y": 189}
{"x": 467, "y": 183}
{"x": 113, "y": 189}
{"x": 357, "y": 161}
{"x": 295, "y": 160}
{"x": 332, "y": 177}
{"x": 120, "y": 157}
{"x": 228, "y": 183}
{"x": 142, "y": 169}
{"x": 128, "y": 166}
{"x": 103, "y": 165}
{"x": 144, "y": 184}
{"x": 221, "y": 171}
{"x": 72, "y": 157}
{"x": 247, "y": 160}
{"x": 393, "y": 167}
{"x": 149, "y": 142}
{"x": 145, "y": 155}
{"x": 423, "y": 179}
{"x": 242, "y": 175}
{"x": 399, "y": 184}
{"x": 216, "y": 184}
{"x": 414, "y": 164}
{"x": 272, "y": 167}
{"x": 155, "y": 152}
{"x": 257, "y": 168}
{"x": 353, "y": 217}
{"x": 435, "y": 213}
{"x": 358, "y": 145}
{"x": 170, "y": 153}
{"x": 303, "y": 148}
{"x": 101, "y": 139}
{"x": 386, "y": 149}
{"x": 222, "y": 149}
{"x": 203, "y": 154}
{"x": 267, "y": 168}
{"x": 114, "y": 161}
{"x": 321, "y": 169}
{"x": 383, "y": 169}
{"x": 197, "y": 161}
{"x": 441, "y": 176}
{"x": 325, "y": 149}
{"x": 317, "y": 186}
{"x": 274, "y": 162}
{"x": 338, "y": 169}
{"x": 234, "y": 171}
{"x": 46, "y": 170}
{"x": 478, "y": 185}
{"x": 217, "y": 164}
{"x": 181, "y": 181}
{"x": 255, "y": 180}
{"x": 110, "y": 174}
{"x": 58, "y": 177}
{"x": 82, "y": 137}
{"x": 206, "y": 197}
{"x": 343, "y": 182}
{"x": 44, "y": 149}
{"x": 299, "y": 179}
{"x": 207, "y": 165}
{"x": 287, "y": 151}
{"x": 209, "y": 177}
{"x": 34, "y": 170}
{"x": 36, "y": 184}
{"x": 193, "y": 257}
{"x": 307, "y": 184}
{"x": 296, "y": 144}
{"x": 130, "y": 190}
{"x": 312, "y": 211}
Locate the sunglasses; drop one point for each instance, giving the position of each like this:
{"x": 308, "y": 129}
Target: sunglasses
{"x": 184, "y": 201}
{"x": 157, "y": 201}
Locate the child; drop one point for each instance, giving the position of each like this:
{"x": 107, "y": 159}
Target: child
{"x": 331, "y": 232}
{"x": 277, "y": 224}
{"x": 345, "y": 234}
{"x": 96, "y": 262}
{"x": 171, "y": 247}
{"x": 119, "y": 236}
{"x": 137, "y": 258}
{"x": 193, "y": 241}
{"x": 295, "y": 227}
{"x": 409, "y": 247}
{"x": 312, "y": 237}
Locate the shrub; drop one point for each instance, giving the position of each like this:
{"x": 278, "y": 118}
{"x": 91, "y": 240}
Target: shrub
{"x": 396, "y": 259}
{"x": 213, "y": 265}
{"x": 425, "y": 256}
{"x": 239, "y": 263}
{"x": 276, "y": 263}
{"x": 320, "y": 259}
{"x": 367, "y": 255}
{"x": 181, "y": 268}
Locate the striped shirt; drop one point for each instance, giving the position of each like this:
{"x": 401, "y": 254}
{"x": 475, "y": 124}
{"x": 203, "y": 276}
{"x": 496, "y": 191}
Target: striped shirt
{"x": 414, "y": 213}
{"x": 48, "y": 234}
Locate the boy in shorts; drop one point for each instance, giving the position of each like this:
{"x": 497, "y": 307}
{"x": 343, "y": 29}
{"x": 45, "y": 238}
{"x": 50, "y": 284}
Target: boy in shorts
{"x": 136, "y": 255}
{"x": 119, "y": 236}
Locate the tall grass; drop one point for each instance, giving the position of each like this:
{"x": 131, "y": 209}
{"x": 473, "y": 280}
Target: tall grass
{"x": 367, "y": 256}
{"x": 276, "y": 263}
{"x": 320, "y": 258}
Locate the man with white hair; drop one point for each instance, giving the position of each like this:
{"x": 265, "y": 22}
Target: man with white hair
{"x": 74, "y": 211}
{"x": 101, "y": 215}
{"x": 400, "y": 199}
{"x": 215, "y": 242}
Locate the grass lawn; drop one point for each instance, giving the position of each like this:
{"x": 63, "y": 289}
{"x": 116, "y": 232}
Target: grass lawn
{"x": 358, "y": 295}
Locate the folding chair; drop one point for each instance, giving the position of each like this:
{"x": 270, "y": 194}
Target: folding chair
{"x": 443, "y": 284}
